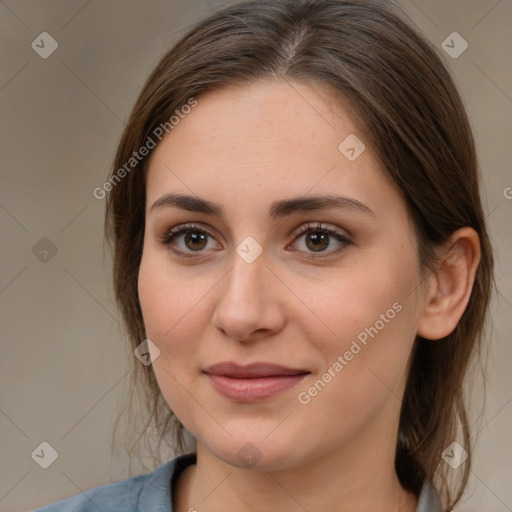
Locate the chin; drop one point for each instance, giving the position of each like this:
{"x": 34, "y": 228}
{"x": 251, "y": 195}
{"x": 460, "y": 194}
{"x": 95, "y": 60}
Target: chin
{"x": 257, "y": 452}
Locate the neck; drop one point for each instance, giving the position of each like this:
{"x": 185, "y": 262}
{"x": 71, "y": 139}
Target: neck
{"x": 365, "y": 480}
{"x": 355, "y": 475}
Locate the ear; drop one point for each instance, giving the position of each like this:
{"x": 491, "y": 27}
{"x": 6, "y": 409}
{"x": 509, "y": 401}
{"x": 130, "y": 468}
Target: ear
{"x": 450, "y": 287}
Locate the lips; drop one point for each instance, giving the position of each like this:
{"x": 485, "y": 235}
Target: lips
{"x": 254, "y": 382}
{"x": 252, "y": 371}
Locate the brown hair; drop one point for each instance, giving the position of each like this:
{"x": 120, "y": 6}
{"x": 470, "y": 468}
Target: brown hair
{"x": 407, "y": 108}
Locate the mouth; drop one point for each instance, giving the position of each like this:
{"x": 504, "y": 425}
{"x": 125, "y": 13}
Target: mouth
{"x": 254, "y": 382}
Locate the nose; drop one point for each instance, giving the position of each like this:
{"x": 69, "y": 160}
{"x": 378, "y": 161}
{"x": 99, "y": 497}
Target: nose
{"x": 250, "y": 301}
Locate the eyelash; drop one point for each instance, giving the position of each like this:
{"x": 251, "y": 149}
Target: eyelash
{"x": 168, "y": 238}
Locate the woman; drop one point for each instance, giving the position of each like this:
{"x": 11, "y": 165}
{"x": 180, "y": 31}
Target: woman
{"x": 302, "y": 262}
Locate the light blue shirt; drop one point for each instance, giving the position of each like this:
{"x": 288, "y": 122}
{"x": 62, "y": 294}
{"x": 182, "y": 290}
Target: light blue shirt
{"x": 152, "y": 492}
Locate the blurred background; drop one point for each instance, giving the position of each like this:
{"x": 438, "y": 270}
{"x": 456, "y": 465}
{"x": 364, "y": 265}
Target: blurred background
{"x": 69, "y": 75}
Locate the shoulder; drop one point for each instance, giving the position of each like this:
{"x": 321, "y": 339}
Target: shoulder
{"x": 117, "y": 496}
{"x": 150, "y": 491}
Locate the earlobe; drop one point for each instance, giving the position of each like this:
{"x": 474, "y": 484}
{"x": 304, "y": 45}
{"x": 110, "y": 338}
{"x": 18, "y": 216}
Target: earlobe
{"x": 450, "y": 287}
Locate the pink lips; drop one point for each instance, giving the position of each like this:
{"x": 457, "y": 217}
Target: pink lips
{"x": 254, "y": 382}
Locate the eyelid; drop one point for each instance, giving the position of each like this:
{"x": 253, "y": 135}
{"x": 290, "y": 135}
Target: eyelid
{"x": 340, "y": 235}
{"x": 320, "y": 226}
{"x": 183, "y": 228}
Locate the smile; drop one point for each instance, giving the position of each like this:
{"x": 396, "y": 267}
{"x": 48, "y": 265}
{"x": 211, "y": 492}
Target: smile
{"x": 252, "y": 383}
{"x": 252, "y": 390}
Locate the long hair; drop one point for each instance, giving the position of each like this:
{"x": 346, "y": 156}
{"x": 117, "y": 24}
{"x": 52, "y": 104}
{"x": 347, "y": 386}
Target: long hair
{"x": 407, "y": 107}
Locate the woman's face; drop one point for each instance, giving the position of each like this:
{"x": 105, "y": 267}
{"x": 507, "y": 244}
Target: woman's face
{"x": 241, "y": 285}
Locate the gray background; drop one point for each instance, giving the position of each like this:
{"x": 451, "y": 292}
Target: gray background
{"x": 63, "y": 358}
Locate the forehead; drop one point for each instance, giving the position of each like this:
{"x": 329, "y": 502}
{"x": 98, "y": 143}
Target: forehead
{"x": 274, "y": 118}
{"x": 263, "y": 140}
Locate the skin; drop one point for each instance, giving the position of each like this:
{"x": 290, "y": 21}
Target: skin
{"x": 244, "y": 148}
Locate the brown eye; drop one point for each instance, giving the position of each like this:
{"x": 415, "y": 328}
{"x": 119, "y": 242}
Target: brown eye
{"x": 317, "y": 238}
{"x": 317, "y": 241}
{"x": 186, "y": 239}
{"x": 195, "y": 240}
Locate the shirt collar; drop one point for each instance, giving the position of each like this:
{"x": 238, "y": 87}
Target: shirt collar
{"x": 156, "y": 492}
{"x": 428, "y": 500}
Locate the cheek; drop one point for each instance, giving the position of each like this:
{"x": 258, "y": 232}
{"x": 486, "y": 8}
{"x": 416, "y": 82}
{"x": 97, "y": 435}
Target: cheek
{"x": 363, "y": 372}
{"x": 172, "y": 313}
{"x": 170, "y": 306}
{"x": 368, "y": 318}
{"x": 354, "y": 300}
{"x": 154, "y": 296}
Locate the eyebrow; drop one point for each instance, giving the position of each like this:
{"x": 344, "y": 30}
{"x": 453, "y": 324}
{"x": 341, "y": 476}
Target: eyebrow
{"x": 278, "y": 209}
